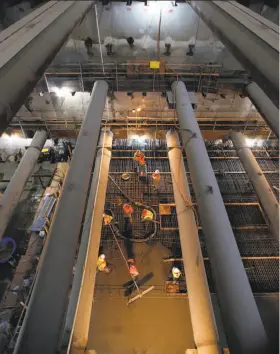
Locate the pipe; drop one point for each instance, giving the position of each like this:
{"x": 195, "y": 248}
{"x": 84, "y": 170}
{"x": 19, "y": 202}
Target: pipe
{"x": 43, "y": 322}
{"x": 102, "y": 155}
{"x": 265, "y": 106}
{"x": 33, "y": 50}
{"x": 243, "y": 325}
{"x": 80, "y": 330}
{"x": 201, "y": 310}
{"x": 264, "y": 192}
{"x": 239, "y": 29}
{"x": 12, "y": 194}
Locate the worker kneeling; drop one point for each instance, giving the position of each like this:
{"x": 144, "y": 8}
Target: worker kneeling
{"x": 102, "y": 264}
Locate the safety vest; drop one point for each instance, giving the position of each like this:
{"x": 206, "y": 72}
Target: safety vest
{"x": 147, "y": 214}
{"x": 142, "y": 161}
{"x": 107, "y": 219}
{"x": 101, "y": 263}
{"x": 127, "y": 209}
{"x": 176, "y": 273}
{"x": 156, "y": 176}
{"x": 138, "y": 156}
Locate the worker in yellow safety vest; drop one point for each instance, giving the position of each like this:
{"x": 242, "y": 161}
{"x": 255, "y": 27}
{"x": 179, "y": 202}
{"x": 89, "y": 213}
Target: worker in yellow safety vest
{"x": 102, "y": 264}
{"x": 156, "y": 178}
{"x": 147, "y": 215}
{"x": 176, "y": 273}
{"x": 107, "y": 219}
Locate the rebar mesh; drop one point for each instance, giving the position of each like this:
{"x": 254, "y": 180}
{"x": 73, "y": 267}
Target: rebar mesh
{"x": 246, "y": 216}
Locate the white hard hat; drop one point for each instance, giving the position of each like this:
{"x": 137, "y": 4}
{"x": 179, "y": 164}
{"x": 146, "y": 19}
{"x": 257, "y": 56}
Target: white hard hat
{"x": 175, "y": 270}
{"x": 102, "y": 256}
{"x": 156, "y": 171}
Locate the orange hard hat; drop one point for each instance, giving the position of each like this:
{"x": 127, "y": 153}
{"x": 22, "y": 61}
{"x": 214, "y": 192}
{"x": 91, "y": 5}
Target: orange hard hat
{"x": 127, "y": 208}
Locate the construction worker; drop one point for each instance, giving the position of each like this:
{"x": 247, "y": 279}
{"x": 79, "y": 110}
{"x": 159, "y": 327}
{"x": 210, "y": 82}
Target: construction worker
{"x": 132, "y": 269}
{"x": 138, "y": 155}
{"x": 156, "y": 178}
{"x": 147, "y": 215}
{"x": 102, "y": 264}
{"x": 107, "y": 219}
{"x": 127, "y": 210}
{"x": 176, "y": 273}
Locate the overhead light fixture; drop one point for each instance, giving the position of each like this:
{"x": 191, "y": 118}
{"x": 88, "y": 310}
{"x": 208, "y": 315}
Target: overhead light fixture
{"x": 254, "y": 142}
{"x": 138, "y": 109}
{"x": 41, "y": 94}
{"x": 60, "y": 92}
{"x": 133, "y": 111}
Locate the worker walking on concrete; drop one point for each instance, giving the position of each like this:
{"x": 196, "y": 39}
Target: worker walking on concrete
{"x": 176, "y": 274}
{"x": 102, "y": 264}
{"x": 156, "y": 179}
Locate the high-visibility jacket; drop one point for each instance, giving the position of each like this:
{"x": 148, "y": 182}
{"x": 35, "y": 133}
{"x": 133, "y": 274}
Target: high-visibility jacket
{"x": 127, "y": 209}
{"x": 107, "y": 219}
{"x": 138, "y": 156}
{"x": 101, "y": 263}
{"x": 142, "y": 161}
{"x": 176, "y": 273}
{"x": 147, "y": 214}
{"x": 156, "y": 177}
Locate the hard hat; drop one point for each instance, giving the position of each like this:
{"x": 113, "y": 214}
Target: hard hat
{"x": 175, "y": 270}
{"x": 102, "y": 256}
{"x": 156, "y": 171}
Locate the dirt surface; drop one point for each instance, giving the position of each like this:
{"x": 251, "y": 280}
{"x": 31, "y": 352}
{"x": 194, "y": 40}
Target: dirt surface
{"x": 155, "y": 324}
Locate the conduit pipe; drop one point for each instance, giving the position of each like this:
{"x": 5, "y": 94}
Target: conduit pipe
{"x": 243, "y": 325}
{"x": 41, "y": 329}
{"x": 201, "y": 310}
{"x": 80, "y": 330}
{"x": 13, "y": 192}
{"x": 264, "y": 192}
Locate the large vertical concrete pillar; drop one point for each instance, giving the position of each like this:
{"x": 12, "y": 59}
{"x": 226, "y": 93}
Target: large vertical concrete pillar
{"x": 12, "y": 194}
{"x": 258, "y": 180}
{"x": 80, "y": 329}
{"x": 101, "y": 166}
{"x": 43, "y": 322}
{"x": 202, "y": 316}
{"x": 243, "y": 325}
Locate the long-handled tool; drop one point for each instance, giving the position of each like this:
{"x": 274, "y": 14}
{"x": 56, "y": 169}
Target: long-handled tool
{"x": 140, "y": 294}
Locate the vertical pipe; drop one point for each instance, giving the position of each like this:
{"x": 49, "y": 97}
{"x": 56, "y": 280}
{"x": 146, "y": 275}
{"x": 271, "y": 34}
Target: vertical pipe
{"x": 258, "y": 180}
{"x": 43, "y": 321}
{"x": 83, "y": 312}
{"x": 244, "y": 328}
{"x": 12, "y": 194}
{"x": 106, "y": 140}
{"x": 202, "y": 316}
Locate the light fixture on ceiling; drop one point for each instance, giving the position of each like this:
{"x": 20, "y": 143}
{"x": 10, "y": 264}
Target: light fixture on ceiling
{"x": 254, "y": 142}
{"x": 133, "y": 111}
{"x": 138, "y": 109}
{"x": 60, "y": 92}
{"x": 41, "y": 94}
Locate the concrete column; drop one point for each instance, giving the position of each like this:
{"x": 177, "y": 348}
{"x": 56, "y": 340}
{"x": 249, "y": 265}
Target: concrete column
{"x": 265, "y": 106}
{"x": 202, "y": 316}
{"x": 42, "y": 325}
{"x": 80, "y": 329}
{"x": 103, "y": 154}
{"x": 258, "y": 180}
{"x": 12, "y": 194}
{"x": 243, "y": 325}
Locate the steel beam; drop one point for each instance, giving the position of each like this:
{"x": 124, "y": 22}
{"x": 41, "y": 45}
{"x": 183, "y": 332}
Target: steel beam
{"x": 12, "y": 194}
{"x": 98, "y": 185}
{"x": 80, "y": 330}
{"x": 45, "y": 314}
{"x": 252, "y": 40}
{"x": 32, "y": 43}
{"x": 201, "y": 310}
{"x": 264, "y": 192}
{"x": 265, "y": 106}
{"x": 243, "y": 325}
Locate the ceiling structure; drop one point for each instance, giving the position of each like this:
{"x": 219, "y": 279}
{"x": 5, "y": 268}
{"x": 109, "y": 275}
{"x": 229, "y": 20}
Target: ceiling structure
{"x": 187, "y": 51}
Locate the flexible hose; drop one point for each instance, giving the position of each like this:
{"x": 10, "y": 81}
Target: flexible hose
{"x": 137, "y": 205}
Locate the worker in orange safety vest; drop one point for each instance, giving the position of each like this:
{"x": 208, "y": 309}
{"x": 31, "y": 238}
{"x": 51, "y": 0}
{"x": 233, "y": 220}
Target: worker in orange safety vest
{"x": 127, "y": 210}
{"x": 138, "y": 155}
{"x": 156, "y": 178}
